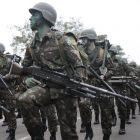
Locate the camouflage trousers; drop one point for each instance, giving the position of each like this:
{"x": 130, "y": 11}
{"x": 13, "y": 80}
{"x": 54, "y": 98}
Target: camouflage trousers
{"x": 123, "y": 109}
{"x": 10, "y": 104}
{"x": 95, "y": 105}
{"x": 85, "y": 110}
{"x": 66, "y": 107}
{"x": 105, "y": 104}
{"x": 49, "y": 113}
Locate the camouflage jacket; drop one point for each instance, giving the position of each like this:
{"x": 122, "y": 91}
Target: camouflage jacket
{"x": 56, "y": 51}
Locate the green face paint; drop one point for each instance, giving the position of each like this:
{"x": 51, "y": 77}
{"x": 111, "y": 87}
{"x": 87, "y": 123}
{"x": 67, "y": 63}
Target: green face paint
{"x": 35, "y": 20}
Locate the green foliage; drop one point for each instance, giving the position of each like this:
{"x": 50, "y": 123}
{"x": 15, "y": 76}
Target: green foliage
{"x": 120, "y": 50}
{"x": 73, "y": 25}
{"x": 23, "y": 36}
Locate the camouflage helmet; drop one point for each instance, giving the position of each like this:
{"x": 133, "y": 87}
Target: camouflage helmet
{"x": 113, "y": 49}
{"x": 48, "y": 12}
{"x": 88, "y": 33}
{"x": 2, "y": 48}
{"x": 133, "y": 64}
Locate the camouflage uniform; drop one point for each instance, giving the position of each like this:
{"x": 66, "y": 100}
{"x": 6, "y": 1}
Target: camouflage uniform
{"x": 46, "y": 53}
{"x": 95, "y": 57}
{"x": 120, "y": 88}
{"x": 9, "y": 99}
{"x": 49, "y": 113}
{"x": 133, "y": 73}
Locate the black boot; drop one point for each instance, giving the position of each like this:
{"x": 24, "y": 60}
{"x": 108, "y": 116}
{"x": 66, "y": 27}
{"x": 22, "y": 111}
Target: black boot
{"x": 1, "y": 113}
{"x": 44, "y": 124}
{"x": 106, "y": 137}
{"x": 114, "y": 117}
{"x": 133, "y": 114}
{"x": 83, "y": 129}
{"x": 36, "y": 133}
{"x": 11, "y": 134}
{"x": 114, "y": 121}
{"x": 53, "y": 136}
{"x": 122, "y": 127}
{"x": 96, "y": 119}
{"x": 89, "y": 132}
{"x": 128, "y": 121}
{"x": 8, "y": 130}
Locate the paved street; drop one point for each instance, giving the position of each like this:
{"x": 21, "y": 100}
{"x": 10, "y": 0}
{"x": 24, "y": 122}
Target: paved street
{"x": 132, "y": 131}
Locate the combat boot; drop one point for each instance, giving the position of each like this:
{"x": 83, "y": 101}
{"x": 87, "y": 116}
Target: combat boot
{"x": 128, "y": 121}
{"x": 89, "y": 132}
{"x": 36, "y": 133}
{"x": 122, "y": 127}
{"x": 83, "y": 129}
{"x": 44, "y": 124}
{"x": 133, "y": 114}
{"x": 114, "y": 121}
{"x": 96, "y": 119}
{"x": 106, "y": 137}
{"x": 1, "y": 114}
{"x": 8, "y": 130}
{"x": 53, "y": 136}
{"x": 11, "y": 134}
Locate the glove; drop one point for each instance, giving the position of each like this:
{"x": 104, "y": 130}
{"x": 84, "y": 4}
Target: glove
{"x": 31, "y": 82}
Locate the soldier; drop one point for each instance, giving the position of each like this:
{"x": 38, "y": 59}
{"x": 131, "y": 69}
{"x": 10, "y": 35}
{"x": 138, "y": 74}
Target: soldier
{"x": 95, "y": 56}
{"x": 46, "y": 52}
{"x": 9, "y": 99}
{"x": 112, "y": 53}
{"x": 121, "y": 69}
{"x": 133, "y": 92}
{"x": 46, "y": 113}
{"x": 138, "y": 89}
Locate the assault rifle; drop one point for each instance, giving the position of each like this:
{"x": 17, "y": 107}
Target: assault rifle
{"x": 4, "y": 85}
{"x": 3, "y": 108}
{"x": 126, "y": 80}
{"x": 75, "y": 87}
{"x": 122, "y": 79}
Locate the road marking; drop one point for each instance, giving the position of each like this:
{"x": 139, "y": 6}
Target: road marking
{"x": 24, "y": 138}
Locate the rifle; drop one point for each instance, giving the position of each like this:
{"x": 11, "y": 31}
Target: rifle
{"x": 71, "y": 84}
{"x": 109, "y": 87}
{"x": 4, "y": 85}
{"x": 3, "y": 108}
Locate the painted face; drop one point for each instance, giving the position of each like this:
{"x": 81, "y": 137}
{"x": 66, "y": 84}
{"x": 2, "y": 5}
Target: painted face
{"x": 35, "y": 20}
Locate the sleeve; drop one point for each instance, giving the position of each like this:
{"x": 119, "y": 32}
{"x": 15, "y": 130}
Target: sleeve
{"x": 73, "y": 56}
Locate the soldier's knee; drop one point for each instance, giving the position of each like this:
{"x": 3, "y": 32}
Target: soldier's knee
{"x": 24, "y": 99}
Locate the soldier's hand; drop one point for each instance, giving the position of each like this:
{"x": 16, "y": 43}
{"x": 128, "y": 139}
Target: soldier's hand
{"x": 30, "y": 82}
{"x": 102, "y": 77}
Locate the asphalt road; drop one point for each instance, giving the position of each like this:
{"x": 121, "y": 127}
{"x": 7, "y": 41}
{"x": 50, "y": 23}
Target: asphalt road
{"x": 132, "y": 131}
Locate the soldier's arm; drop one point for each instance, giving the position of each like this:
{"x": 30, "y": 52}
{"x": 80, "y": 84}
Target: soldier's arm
{"x": 73, "y": 56}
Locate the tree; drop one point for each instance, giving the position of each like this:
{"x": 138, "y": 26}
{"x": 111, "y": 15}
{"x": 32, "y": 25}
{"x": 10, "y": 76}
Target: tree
{"x": 120, "y": 50}
{"x": 73, "y": 25}
{"x": 23, "y": 36}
